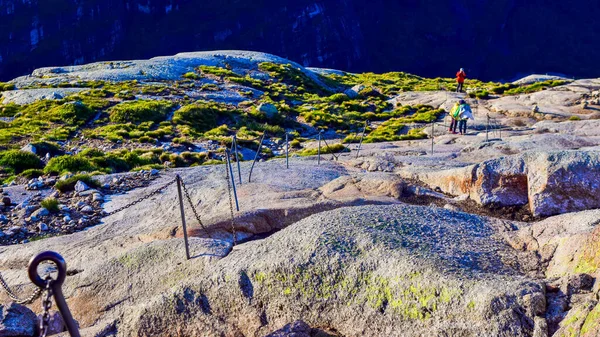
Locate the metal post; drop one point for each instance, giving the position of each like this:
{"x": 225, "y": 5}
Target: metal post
{"x": 432, "y": 134}
{"x": 227, "y": 154}
{"x": 185, "y": 237}
{"x": 487, "y": 128}
{"x": 256, "y": 156}
{"x": 319, "y": 150}
{"x": 287, "y": 152}
{"x": 362, "y": 135}
{"x": 499, "y": 131}
{"x": 55, "y": 285}
{"x": 237, "y": 158}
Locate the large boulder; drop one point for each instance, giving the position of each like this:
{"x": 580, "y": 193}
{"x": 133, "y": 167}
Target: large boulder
{"x": 369, "y": 271}
{"x": 17, "y": 320}
{"x": 268, "y": 109}
{"x": 553, "y": 182}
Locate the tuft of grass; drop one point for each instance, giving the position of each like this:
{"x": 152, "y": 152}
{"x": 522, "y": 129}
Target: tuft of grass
{"x": 140, "y": 111}
{"x": 202, "y": 116}
{"x": 6, "y": 86}
{"x": 67, "y": 163}
{"x": 32, "y": 173}
{"x": 335, "y": 148}
{"x": 217, "y": 71}
{"x": 574, "y": 118}
{"x": 50, "y": 204}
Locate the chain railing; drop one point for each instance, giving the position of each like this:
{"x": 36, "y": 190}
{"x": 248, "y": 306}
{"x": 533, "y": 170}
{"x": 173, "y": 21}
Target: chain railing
{"x": 145, "y": 197}
{"x": 13, "y": 295}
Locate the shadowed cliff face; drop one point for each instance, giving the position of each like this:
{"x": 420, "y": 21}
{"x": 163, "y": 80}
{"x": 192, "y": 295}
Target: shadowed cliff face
{"x": 491, "y": 39}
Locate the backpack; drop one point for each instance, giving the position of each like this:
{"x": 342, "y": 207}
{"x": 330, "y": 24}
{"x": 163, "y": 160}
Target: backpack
{"x": 455, "y": 111}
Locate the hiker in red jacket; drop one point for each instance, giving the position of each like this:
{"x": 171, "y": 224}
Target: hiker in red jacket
{"x": 460, "y": 79}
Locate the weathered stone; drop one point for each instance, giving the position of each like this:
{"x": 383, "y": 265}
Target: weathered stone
{"x": 540, "y": 327}
{"x": 80, "y": 186}
{"x": 6, "y": 201}
{"x": 40, "y": 213}
{"x": 97, "y": 197}
{"x": 87, "y": 209}
{"x": 550, "y": 182}
{"x": 268, "y": 109}
{"x": 452, "y": 207}
{"x": 42, "y": 227}
{"x": 296, "y": 329}
{"x": 29, "y": 148}
{"x": 17, "y": 320}
{"x": 3, "y": 219}
{"x": 353, "y": 92}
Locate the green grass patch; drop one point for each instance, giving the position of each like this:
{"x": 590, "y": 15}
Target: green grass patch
{"x": 68, "y": 163}
{"x": 140, "y": 111}
{"x": 334, "y": 148}
{"x": 18, "y": 161}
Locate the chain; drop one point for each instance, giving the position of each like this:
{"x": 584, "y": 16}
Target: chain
{"x": 15, "y": 298}
{"x": 46, "y": 305}
{"x": 333, "y": 153}
{"x": 189, "y": 199}
{"x": 160, "y": 189}
{"x": 231, "y": 202}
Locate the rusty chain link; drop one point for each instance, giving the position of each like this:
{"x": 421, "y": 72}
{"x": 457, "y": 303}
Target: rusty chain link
{"x": 189, "y": 199}
{"x": 160, "y": 189}
{"x": 231, "y": 203}
{"x": 15, "y": 298}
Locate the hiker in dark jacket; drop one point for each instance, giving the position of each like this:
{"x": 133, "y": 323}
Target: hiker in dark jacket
{"x": 460, "y": 79}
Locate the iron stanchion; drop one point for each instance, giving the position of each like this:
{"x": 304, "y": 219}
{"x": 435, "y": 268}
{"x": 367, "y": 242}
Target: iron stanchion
{"x": 227, "y": 154}
{"x": 287, "y": 152}
{"x": 55, "y": 286}
{"x": 362, "y": 135}
{"x": 256, "y": 156}
{"x": 319, "y": 150}
{"x": 432, "y": 130}
{"x": 487, "y": 129}
{"x": 237, "y": 158}
{"x": 185, "y": 237}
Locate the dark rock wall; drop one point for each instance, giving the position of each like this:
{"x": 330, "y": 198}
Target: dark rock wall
{"x": 492, "y": 39}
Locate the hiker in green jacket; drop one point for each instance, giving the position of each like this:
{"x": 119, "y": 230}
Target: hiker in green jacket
{"x": 454, "y": 116}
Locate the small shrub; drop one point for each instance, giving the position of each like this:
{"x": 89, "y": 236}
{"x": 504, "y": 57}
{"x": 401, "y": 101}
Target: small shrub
{"x": 91, "y": 153}
{"x": 339, "y": 98}
{"x": 140, "y": 111}
{"x": 42, "y": 148}
{"x": 69, "y": 184}
{"x": 191, "y": 76}
{"x": 295, "y": 144}
{"x": 6, "y": 86}
{"x": 200, "y": 116}
{"x": 72, "y": 113}
{"x": 19, "y": 161}
{"x": 32, "y": 173}
{"x": 574, "y": 118}
{"x": 68, "y": 163}
{"x": 50, "y": 204}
